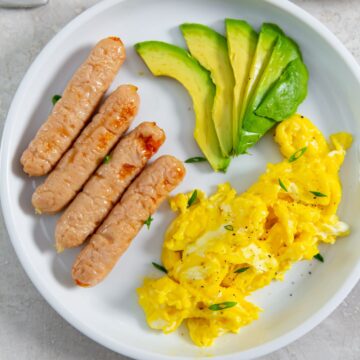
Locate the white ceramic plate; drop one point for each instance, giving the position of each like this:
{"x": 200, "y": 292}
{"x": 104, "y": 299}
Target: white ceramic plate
{"x": 109, "y": 313}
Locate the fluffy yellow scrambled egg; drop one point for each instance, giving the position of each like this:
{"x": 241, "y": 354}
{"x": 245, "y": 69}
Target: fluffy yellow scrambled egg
{"x": 223, "y": 247}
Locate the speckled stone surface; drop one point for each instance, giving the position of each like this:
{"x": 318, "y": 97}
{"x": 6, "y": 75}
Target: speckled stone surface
{"x": 29, "y": 328}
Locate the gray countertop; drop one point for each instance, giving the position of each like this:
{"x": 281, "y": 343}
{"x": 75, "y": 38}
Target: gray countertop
{"x": 29, "y": 328}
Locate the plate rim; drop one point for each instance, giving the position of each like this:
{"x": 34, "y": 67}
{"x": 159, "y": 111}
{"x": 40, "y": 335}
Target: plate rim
{"x": 35, "y": 277}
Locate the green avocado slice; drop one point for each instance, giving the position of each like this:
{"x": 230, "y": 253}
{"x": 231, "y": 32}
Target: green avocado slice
{"x": 210, "y": 49}
{"x": 255, "y": 126}
{"x": 242, "y": 40}
{"x": 289, "y": 91}
{"x": 267, "y": 39}
{"x": 168, "y": 60}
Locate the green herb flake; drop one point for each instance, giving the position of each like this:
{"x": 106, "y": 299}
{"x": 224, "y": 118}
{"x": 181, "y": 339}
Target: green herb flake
{"x": 148, "y": 221}
{"x": 223, "y": 305}
{"x": 319, "y": 257}
{"x": 282, "y": 185}
{"x": 55, "y": 99}
{"x": 107, "y": 159}
{"x": 241, "y": 270}
{"x": 318, "y": 194}
{"x": 192, "y": 199}
{"x": 229, "y": 227}
{"x": 195, "y": 159}
{"x": 297, "y": 154}
{"x": 159, "y": 267}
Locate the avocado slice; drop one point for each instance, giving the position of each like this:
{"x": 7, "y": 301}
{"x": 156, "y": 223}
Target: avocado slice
{"x": 269, "y": 33}
{"x": 254, "y": 124}
{"x": 242, "y": 41}
{"x": 168, "y": 60}
{"x": 210, "y": 49}
{"x": 289, "y": 91}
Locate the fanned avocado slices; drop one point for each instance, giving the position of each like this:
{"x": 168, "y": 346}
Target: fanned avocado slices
{"x": 164, "y": 59}
{"x": 241, "y": 86}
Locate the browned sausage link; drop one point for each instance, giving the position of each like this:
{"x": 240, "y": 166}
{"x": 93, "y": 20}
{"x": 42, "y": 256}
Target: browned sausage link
{"x": 88, "y": 151}
{"x": 73, "y": 110}
{"x": 113, "y": 237}
{"x": 105, "y": 187}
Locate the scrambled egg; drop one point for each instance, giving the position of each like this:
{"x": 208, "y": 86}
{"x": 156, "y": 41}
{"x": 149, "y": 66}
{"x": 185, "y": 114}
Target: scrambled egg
{"x": 222, "y": 248}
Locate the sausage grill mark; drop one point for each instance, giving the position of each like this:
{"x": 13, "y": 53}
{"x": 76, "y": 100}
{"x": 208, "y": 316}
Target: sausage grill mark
{"x": 126, "y": 170}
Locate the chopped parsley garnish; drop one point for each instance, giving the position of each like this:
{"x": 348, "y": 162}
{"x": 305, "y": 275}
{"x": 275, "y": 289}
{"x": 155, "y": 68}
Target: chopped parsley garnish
{"x": 223, "y": 305}
{"x": 195, "y": 159}
{"x": 107, "y": 159}
{"x": 229, "y": 227}
{"x": 318, "y": 194}
{"x": 55, "y": 99}
{"x": 159, "y": 267}
{"x": 319, "y": 257}
{"x": 282, "y": 185}
{"x": 297, "y": 154}
{"x": 148, "y": 221}
{"x": 241, "y": 270}
{"x": 192, "y": 199}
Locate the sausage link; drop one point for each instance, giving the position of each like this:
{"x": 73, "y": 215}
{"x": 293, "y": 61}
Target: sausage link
{"x": 90, "y": 148}
{"x": 123, "y": 223}
{"x": 79, "y": 100}
{"x": 105, "y": 187}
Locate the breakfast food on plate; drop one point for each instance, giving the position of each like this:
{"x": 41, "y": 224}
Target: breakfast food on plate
{"x": 73, "y": 110}
{"x": 105, "y": 187}
{"x": 168, "y": 60}
{"x": 219, "y": 249}
{"x": 113, "y": 237}
{"x": 240, "y": 86}
{"x": 88, "y": 151}
{"x": 210, "y": 49}
{"x": 222, "y": 248}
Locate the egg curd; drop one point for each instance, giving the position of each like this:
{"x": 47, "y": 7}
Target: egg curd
{"x": 223, "y": 247}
